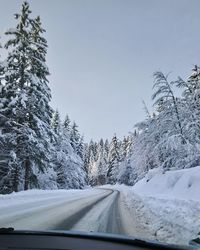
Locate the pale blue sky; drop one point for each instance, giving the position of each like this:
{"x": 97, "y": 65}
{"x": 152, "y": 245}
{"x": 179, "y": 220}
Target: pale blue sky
{"x": 102, "y": 54}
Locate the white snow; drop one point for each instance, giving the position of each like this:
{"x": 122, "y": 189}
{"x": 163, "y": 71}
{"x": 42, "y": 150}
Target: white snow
{"x": 41, "y": 210}
{"x": 97, "y": 219}
{"x": 35, "y": 195}
{"x": 181, "y": 184}
{"x": 161, "y": 206}
{"x": 165, "y": 205}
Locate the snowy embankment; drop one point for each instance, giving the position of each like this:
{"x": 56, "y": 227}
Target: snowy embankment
{"x": 166, "y": 205}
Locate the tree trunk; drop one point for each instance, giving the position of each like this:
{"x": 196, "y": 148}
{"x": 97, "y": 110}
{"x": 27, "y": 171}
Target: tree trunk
{"x": 27, "y": 174}
{"x": 16, "y": 180}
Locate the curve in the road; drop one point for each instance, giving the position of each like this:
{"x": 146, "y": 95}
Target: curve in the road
{"x": 42, "y": 216}
{"x": 103, "y": 216}
{"x": 69, "y": 222}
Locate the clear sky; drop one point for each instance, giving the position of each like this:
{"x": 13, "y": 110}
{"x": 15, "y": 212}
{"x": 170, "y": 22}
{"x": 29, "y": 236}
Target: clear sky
{"x": 102, "y": 54}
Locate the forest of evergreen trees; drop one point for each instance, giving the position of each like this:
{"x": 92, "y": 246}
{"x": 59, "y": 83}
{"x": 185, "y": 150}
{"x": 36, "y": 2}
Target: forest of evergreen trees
{"x": 39, "y": 150}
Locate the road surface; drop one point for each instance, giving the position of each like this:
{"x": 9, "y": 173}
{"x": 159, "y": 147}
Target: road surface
{"x": 102, "y": 210}
{"x": 97, "y": 210}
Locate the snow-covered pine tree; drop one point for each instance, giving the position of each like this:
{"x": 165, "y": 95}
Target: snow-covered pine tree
{"x": 80, "y": 148}
{"x": 15, "y": 95}
{"x": 74, "y": 136}
{"x": 95, "y": 150}
{"x": 191, "y": 117}
{"x": 86, "y": 160}
{"x": 124, "y": 148}
{"x": 95, "y": 161}
{"x": 28, "y": 97}
{"x": 67, "y": 164}
{"x": 126, "y": 173}
{"x": 101, "y": 164}
{"x": 162, "y": 139}
{"x": 106, "y": 148}
{"x": 39, "y": 100}
{"x": 92, "y": 172}
{"x": 172, "y": 146}
{"x": 113, "y": 161}
{"x": 67, "y": 124}
{"x": 56, "y": 122}
{"x": 191, "y": 100}
{"x": 126, "y": 169}
{"x": 166, "y": 101}
{"x": 77, "y": 141}
{"x": 5, "y": 168}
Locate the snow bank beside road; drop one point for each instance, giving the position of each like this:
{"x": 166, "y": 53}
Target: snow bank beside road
{"x": 181, "y": 184}
{"x": 165, "y": 206}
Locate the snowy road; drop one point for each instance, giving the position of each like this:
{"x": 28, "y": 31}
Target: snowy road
{"x": 91, "y": 210}
{"x": 105, "y": 210}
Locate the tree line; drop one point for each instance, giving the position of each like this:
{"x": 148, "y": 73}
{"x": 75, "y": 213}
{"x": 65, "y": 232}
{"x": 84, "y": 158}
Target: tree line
{"x": 169, "y": 138}
{"x": 102, "y": 160}
{"x": 39, "y": 150}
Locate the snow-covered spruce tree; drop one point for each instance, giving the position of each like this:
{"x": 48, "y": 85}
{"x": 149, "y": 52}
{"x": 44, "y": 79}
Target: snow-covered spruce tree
{"x": 39, "y": 98}
{"x": 14, "y": 96}
{"x": 173, "y": 146}
{"x": 5, "y": 140}
{"x": 95, "y": 162}
{"x": 169, "y": 138}
{"x": 67, "y": 164}
{"x": 101, "y": 164}
{"x": 86, "y": 161}
{"x": 56, "y": 122}
{"x": 67, "y": 125}
{"x": 153, "y": 146}
{"x": 106, "y": 148}
{"x": 59, "y": 156}
{"x": 28, "y": 98}
{"x": 191, "y": 116}
{"x": 80, "y": 148}
{"x": 92, "y": 171}
{"x": 166, "y": 101}
{"x": 95, "y": 149}
{"x": 76, "y": 140}
{"x": 161, "y": 139}
{"x": 113, "y": 161}
{"x": 124, "y": 148}
{"x": 126, "y": 173}
{"x": 74, "y": 136}
{"x": 191, "y": 99}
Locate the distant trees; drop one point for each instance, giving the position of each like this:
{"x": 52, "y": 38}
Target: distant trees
{"x": 67, "y": 163}
{"x": 103, "y": 160}
{"x": 168, "y": 138}
{"x": 113, "y": 160}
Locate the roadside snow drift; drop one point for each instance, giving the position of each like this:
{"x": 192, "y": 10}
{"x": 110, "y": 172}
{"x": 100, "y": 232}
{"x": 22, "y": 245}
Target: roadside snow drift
{"x": 178, "y": 184}
{"x": 166, "y": 205}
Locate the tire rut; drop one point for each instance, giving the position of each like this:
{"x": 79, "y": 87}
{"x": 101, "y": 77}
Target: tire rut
{"x": 69, "y": 222}
{"x": 114, "y": 220}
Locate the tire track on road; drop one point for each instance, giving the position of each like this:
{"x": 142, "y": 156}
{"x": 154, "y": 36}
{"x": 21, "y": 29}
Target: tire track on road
{"x": 69, "y": 222}
{"x": 102, "y": 217}
{"x": 49, "y": 216}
